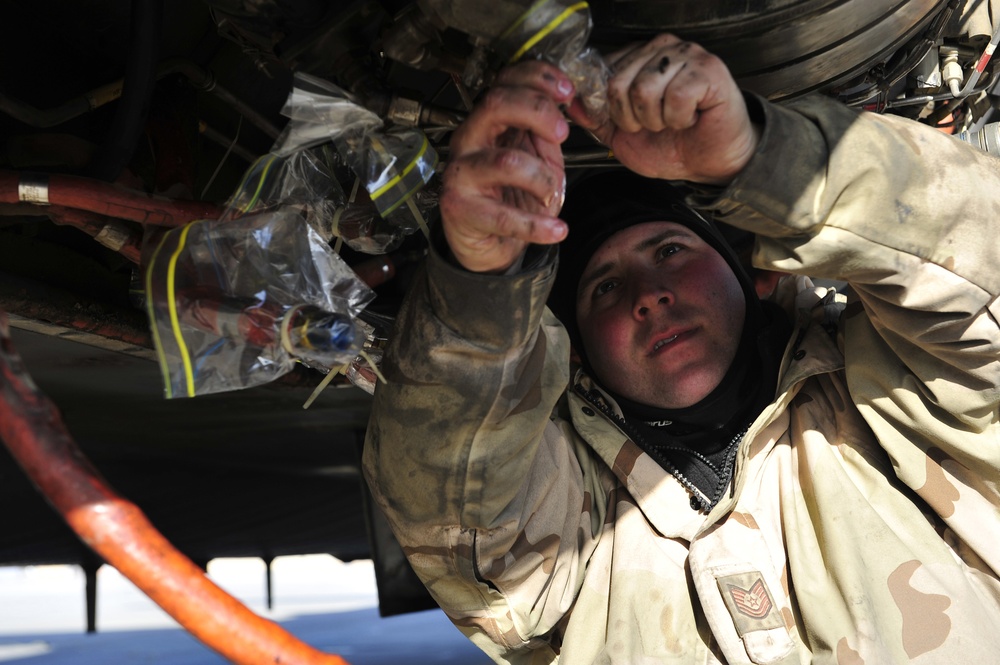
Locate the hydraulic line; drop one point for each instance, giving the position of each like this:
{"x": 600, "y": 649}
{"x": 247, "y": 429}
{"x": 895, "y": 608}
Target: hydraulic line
{"x": 112, "y": 233}
{"x": 33, "y": 431}
{"x": 101, "y": 198}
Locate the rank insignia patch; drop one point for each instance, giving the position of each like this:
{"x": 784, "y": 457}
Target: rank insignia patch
{"x": 749, "y": 602}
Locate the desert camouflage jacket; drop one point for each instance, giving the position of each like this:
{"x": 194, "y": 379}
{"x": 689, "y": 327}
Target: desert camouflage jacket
{"x": 864, "y": 521}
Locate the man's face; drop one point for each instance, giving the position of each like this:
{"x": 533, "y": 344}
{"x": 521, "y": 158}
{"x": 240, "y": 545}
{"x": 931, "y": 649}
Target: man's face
{"x": 661, "y": 314}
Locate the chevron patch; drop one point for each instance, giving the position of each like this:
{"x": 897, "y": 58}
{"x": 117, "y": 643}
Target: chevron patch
{"x": 753, "y": 602}
{"x": 749, "y": 602}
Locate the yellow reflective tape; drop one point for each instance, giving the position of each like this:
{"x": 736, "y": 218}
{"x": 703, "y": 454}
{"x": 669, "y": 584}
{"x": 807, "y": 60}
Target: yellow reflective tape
{"x": 392, "y": 183}
{"x": 172, "y": 305}
{"x": 521, "y": 19}
{"x": 152, "y": 320}
{"x": 544, "y": 32}
{"x": 246, "y": 177}
{"x": 260, "y": 183}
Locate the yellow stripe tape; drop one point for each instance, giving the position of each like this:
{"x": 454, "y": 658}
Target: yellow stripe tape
{"x": 544, "y": 32}
{"x": 392, "y": 183}
{"x": 260, "y": 183}
{"x": 152, "y": 321}
{"x": 172, "y": 305}
{"x": 521, "y": 19}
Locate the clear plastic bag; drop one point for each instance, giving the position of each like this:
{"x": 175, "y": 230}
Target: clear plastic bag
{"x": 364, "y": 229}
{"x": 236, "y": 303}
{"x": 394, "y": 164}
{"x": 557, "y": 31}
{"x": 302, "y": 180}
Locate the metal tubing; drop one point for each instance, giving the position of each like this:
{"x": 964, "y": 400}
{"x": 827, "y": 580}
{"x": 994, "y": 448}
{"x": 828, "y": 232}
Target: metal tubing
{"x": 108, "y": 199}
{"x": 199, "y": 77}
{"x": 116, "y": 529}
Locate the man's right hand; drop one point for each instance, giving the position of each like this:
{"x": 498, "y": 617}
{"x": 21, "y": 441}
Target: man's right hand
{"x": 505, "y": 180}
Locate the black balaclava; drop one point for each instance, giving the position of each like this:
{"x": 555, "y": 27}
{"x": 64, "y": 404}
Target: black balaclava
{"x": 699, "y": 440}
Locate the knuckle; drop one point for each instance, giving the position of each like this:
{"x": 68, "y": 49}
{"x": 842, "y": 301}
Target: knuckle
{"x": 643, "y": 88}
{"x": 508, "y": 160}
{"x": 504, "y": 222}
{"x": 494, "y": 99}
{"x": 664, "y": 39}
{"x": 618, "y": 91}
{"x": 703, "y": 58}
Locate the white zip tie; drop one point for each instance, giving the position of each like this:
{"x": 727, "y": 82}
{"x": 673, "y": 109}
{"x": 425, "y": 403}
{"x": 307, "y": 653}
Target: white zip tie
{"x": 322, "y": 385}
{"x": 420, "y": 218}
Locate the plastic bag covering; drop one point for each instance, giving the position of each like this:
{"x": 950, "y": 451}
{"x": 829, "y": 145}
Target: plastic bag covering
{"x": 302, "y": 180}
{"x": 557, "y": 31}
{"x": 360, "y": 225}
{"x": 392, "y": 163}
{"x": 236, "y": 303}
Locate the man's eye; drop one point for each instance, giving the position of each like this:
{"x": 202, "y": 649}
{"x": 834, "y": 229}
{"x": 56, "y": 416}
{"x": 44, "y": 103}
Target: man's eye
{"x": 604, "y": 287}
{"x": 667, "y": 250}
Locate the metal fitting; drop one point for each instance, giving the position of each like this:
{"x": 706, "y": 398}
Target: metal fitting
{"x": 951, "y": 71}
{"x": 986, "y": 139}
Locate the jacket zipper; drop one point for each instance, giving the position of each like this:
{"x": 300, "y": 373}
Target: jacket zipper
{"x": 698, "y": 500}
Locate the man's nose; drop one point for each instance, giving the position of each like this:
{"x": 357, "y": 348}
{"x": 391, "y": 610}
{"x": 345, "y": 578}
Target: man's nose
{"x": 649, "y": 294}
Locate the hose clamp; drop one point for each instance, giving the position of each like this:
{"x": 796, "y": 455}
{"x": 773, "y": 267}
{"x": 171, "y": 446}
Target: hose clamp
{"x": 33, "y": 188}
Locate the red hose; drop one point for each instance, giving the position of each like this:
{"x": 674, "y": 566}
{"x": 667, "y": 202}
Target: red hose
{"x": 111, "y": 200}
{"x": 33, "y": 431}
{"x": 93, "y": 225}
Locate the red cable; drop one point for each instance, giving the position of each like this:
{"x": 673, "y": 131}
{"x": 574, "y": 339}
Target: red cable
{"x": 115, "y": 528}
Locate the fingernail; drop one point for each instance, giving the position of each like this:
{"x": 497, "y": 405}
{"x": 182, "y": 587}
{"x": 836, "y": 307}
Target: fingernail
{"x": 562, "y": 129}
{"x": 557, "y": 228}
{"x": 564, "y": 87}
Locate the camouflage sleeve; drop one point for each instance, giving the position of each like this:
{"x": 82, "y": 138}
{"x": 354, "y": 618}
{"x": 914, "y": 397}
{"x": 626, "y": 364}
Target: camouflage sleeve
{"x": 488, "y": 495}
{"x": 908, "y": 216}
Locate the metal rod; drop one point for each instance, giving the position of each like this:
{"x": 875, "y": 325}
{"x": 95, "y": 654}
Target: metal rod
{"x": 198, "y": 76}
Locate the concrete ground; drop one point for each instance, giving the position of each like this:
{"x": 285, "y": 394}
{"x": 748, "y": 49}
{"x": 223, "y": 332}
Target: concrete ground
{"x": 328, "y": 604}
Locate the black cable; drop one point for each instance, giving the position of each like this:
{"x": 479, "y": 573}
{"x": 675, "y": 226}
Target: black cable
{"x": 137, "y": 91}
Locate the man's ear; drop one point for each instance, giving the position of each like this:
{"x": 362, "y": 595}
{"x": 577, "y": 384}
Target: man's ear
{"x": 765, "y": 281}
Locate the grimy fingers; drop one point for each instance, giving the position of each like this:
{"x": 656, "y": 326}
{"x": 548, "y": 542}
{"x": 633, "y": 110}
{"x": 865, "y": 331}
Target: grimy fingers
{"x": 494, "y": 233}
{"x": 504, "y": 107}
{"x": 540, "y": 76}
{"x": 492, "y": 174}
{"x": 495, "y": 220}
{"x": 658, "y": 85}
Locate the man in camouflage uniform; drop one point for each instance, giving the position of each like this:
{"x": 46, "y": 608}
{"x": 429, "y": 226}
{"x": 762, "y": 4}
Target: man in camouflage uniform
{"x": 554, "y": 520}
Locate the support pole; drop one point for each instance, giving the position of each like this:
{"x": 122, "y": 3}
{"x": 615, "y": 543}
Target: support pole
{"x": 90, "y": 575}
{"x": 268, "y": 560}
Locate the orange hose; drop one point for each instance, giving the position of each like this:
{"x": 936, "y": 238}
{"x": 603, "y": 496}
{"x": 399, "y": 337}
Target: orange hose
{"x": 33, "y": 431}
{"x": 112, "y": 200}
